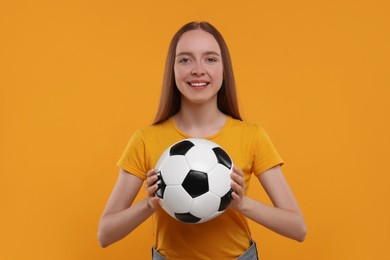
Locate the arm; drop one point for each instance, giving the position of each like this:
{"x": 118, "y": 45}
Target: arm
{"x": 284, "y": 217}
{"x": 120, "y": 217}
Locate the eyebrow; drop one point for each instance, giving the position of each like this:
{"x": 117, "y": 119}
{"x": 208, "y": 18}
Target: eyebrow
{"x": 191, "y": 54}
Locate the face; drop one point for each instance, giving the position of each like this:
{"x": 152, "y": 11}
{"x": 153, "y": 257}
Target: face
{"x": 198, "y": 67}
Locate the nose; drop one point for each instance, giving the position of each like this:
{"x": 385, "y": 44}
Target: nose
{"x": 198, "y": 69}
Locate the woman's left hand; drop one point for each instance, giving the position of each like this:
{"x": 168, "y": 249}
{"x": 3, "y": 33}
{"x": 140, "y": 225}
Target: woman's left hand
{"x": 238, "y": 186}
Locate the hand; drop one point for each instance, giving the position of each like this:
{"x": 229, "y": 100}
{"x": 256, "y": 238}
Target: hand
{"x": 151, "y": 188}
{"x": 238, "y": 186}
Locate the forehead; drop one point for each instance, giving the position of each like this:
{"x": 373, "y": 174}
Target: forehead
{"x": 197, "y": 41}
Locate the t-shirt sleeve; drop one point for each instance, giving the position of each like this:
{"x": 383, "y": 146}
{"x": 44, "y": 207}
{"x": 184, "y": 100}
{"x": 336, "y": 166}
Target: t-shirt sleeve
{"x": 133, "y": 158}
{"x": 265, "y": 154}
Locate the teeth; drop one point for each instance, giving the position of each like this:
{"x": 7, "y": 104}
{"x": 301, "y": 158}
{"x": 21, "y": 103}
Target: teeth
{"x": 200, "y": 84}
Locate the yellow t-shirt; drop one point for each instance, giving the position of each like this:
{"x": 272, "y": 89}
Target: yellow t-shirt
{"x": 228, "y": 235}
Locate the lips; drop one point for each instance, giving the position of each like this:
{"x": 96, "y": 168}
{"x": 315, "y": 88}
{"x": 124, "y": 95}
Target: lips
{"x": 198, "y": 84}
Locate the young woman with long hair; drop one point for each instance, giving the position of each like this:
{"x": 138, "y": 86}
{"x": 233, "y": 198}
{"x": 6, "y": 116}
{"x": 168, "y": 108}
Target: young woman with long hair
{"x": 199, "y": 99}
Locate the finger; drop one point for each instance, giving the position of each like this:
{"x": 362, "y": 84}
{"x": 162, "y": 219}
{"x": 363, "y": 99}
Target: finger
{"x": 152, "y": 190}
{"x": 238, "y": 171}
{"x": 238, "y": 178}
{"x": 155, "y": 201}
{"x": 237, "y": 189}
{"x": 151, "y": 172}
{"x": 151, "y": 180}
{"x": 235, "y": 196}
{"x": 151, "y": 177}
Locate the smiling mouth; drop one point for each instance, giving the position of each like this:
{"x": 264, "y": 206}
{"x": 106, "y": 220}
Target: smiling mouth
{"x": 198, "y": 84}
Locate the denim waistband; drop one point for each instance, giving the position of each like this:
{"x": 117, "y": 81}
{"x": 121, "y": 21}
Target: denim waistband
{"x": 250, "y": 254}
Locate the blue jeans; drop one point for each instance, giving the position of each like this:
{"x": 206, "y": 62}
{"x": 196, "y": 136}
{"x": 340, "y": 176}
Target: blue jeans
{"x": 250, "y": 254}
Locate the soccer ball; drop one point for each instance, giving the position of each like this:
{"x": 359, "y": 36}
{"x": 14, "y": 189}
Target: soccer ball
{"x": 194, "y": 180}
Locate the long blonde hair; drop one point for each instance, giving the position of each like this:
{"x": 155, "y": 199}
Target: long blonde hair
{"x": 170, "y": 95}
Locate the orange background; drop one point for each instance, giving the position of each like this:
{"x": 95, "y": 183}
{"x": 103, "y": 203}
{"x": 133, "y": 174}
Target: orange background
{"x": 78, "y": 77}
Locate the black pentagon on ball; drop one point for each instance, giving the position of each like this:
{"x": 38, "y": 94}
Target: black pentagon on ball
{"x": 161, "y": 186}
{"x": 187, "y": 217}
{"x": 222, "y": 157}
{"x": 196, "y": 183}
{"x": 181, "y": 148}
{"x": 225, "y": 200}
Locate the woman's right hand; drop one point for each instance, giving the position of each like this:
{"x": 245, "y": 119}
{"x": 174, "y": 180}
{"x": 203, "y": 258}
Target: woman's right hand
{"x": 151, "y": 188}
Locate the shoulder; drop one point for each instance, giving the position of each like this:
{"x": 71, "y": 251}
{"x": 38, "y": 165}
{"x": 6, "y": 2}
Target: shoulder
{"x": 247, "y": 132}
{"x": 153, "y": 130}
{"x": 246, "y": 127}
{"x": 156, "y": 137}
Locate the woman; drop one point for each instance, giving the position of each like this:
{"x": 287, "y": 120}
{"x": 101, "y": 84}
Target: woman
{"x": 199, "y": 100}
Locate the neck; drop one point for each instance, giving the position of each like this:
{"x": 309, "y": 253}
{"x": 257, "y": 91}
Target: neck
{"x": 200, "y": 120}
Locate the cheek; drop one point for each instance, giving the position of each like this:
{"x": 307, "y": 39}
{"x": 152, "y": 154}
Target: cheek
{"x": 219, "y": 75}
{"x": 180, "y": 74}
{"x": 177, "y": 76}
{"x": 180, "y": 79}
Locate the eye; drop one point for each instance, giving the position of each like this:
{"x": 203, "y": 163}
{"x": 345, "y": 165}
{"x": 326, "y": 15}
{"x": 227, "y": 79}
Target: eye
{"x": 184, "y": 60}
{"x": 211, "y": 59}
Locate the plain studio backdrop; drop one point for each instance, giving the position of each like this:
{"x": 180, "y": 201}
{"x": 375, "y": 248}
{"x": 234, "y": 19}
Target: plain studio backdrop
{"x": 78, "y": 77}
